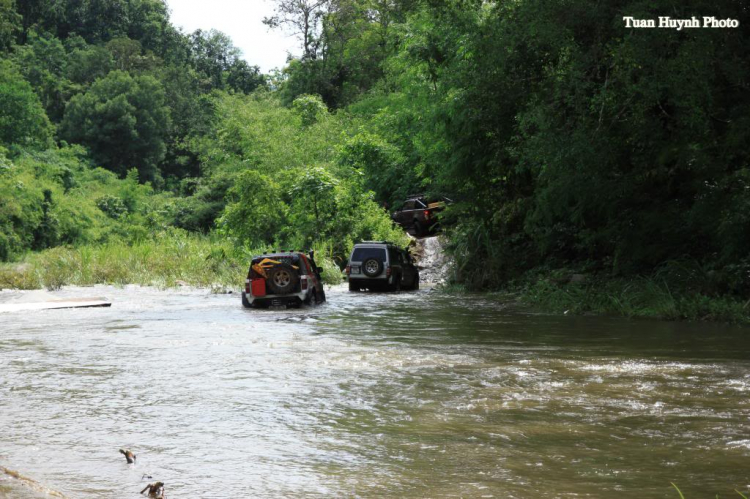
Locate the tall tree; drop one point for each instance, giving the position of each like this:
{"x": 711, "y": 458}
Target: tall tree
{"x": 123, "y": 120}
{"x": 303, "y": 18}
{"x": 215, "y": 56}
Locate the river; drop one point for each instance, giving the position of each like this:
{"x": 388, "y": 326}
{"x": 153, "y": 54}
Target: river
{"x": 413, "y": 394}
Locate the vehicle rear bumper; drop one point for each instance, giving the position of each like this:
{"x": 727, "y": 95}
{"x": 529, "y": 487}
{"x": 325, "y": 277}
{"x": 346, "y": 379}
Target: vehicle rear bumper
{"x": 274, "y": 300}
{"x": 364, "y": 278}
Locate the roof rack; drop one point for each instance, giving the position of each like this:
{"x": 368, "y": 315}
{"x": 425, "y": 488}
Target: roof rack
{"x": 376, "y": 242}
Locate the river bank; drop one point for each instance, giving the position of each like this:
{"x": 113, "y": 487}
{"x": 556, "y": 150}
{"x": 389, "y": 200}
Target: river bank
{"x": 175, "y": 260}
{"x": 637, "y": 297}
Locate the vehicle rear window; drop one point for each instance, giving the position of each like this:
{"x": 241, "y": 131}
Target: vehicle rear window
{"x": 362, "y": 254}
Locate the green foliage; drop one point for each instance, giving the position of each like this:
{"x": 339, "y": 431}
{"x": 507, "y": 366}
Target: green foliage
{"x": 168, "y": 259}
{"x": 55, "y": 198}
{"x": 382, "y": 166}
{"x": 123, "y": 120}
{"x": 203, "y": 202}
{"x": 10, "y": 24}
{"x": 561, "y": 139}
{"x": 566, "y": 140}
{"x": 22, "y": 118}
{"x": 112, "y": 206}
{"x": 344, "y": 46}
{"x": 43, "y": 62}
{"x": 99, "y": 21}
{"x": 257, "y": 214}
{"x": 127, "y": 55}
{"x": 159, "y": 261}
{"x": 87, "y": 63}
{"x": 219, "y": 62}
{"x": 650, "y": 297}
{"x": 192, "y": 116}
{"x": 289, "y": 190}
{"x": 310, "y": 109}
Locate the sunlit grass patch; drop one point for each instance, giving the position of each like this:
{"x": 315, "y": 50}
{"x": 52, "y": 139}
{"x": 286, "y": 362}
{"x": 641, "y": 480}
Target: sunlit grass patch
{"x": 167, "y": 260}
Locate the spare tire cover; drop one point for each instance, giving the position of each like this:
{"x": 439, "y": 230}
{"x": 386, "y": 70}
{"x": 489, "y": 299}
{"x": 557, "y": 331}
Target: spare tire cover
{"x": 372, "y": 267}
{"x": 282, "y": 279}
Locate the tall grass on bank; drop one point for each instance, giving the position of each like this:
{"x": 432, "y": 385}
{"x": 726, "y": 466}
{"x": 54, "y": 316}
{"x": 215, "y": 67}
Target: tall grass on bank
{"x": 644, "y": 297}
{"x": 169, "y": 259}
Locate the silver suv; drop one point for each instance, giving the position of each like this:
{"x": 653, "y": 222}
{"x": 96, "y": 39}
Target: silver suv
{"x": 380, "y": 265}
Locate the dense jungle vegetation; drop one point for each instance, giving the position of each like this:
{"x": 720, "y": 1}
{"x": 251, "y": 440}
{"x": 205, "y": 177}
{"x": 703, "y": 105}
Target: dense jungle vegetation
{"x": 571, "y": 144}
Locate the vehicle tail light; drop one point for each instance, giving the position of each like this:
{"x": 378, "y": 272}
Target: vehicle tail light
{"x": 388, "y": 271}
{"x": 303, "y": 282}
{"x": 427, "y": 214}
{"x": 247, "y": 286}
{"x": 348, "y": 270}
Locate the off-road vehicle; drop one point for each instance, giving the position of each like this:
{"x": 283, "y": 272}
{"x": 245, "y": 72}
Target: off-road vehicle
{"x": 381, "y": 265}
{"x": 287, "y": 278}
{"x": 419, "y": 213}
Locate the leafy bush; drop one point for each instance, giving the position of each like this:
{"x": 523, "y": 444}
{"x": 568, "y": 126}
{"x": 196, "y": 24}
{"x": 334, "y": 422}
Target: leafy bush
{"x": 310, "y": 109}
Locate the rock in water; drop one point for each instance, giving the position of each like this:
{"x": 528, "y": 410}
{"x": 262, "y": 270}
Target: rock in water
{"x": 129, "y": 456}
{"x": 155, "y": 489}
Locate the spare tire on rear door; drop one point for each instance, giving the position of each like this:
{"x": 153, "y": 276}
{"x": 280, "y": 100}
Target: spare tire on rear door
{"x": 282, "y": 279}
{"x": 372, "y": 267}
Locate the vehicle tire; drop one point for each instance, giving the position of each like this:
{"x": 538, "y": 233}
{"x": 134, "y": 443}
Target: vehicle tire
{"x": 312, "y": 298}
{"x": 245, "y": 302}
{"x": 322, "y": 295}
{"x": 417, "y": 228}
{"x": 396, "y": 286}
{"x": 353, "y": 286}
{"x": 415, "y": 286}
{"x": 372, "y": 267}
{"x": 282, "y": 279}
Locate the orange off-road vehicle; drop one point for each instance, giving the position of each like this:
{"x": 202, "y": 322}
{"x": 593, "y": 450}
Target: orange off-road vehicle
{"x": 288, "y": 278}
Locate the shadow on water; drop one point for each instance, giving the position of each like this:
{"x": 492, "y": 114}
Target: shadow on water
{"x": 396, "y": 394}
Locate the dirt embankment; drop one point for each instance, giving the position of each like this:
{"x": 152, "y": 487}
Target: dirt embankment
{"x": 14, "y": 485}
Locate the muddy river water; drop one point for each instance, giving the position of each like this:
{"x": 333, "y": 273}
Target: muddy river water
{"x": 393, "y": 395}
